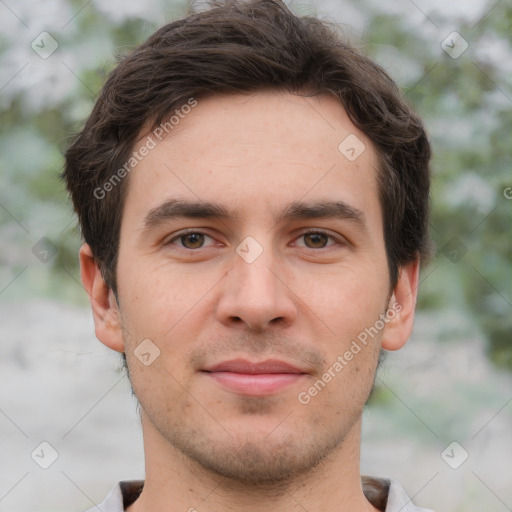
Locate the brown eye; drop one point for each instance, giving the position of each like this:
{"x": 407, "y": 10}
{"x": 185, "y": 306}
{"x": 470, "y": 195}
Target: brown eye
{"x": 192, "y": 240}
{"x": 316, "y": 240}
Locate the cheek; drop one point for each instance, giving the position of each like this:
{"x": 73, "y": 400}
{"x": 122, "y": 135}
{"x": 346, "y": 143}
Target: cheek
{"x": 162, "y": 391}
{"x": 349, "y": 308}
{"x": 337, "y": 397}
{"x": 346, "y": 300}
{"x": 158, "y": 299}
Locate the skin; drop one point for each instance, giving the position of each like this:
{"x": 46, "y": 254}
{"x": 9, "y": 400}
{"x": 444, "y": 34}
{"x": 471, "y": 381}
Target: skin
{"x": 303, "y": 300}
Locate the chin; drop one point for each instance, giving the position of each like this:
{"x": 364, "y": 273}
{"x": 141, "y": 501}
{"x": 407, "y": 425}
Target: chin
{"x": 269, "y": 459}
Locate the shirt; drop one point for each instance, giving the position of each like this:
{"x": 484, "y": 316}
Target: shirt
{"x": 386, "y": 495}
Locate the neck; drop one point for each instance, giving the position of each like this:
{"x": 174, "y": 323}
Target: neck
{"x": 174, "y": 483}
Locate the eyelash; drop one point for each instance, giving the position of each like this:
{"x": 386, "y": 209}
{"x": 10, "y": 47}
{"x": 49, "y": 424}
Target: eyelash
{"x": 338, "y": 240}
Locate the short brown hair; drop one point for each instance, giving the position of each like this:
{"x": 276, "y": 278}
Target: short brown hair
{"x": 240, "y": 47}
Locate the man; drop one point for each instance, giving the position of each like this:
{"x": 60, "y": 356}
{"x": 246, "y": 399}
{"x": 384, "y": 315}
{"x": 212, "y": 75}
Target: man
{"x": 253, "y": 197}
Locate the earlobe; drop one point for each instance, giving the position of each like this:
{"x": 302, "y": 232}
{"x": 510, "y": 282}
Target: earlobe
{"x": 103, "y": 303}
{"x": 401, "y": 307}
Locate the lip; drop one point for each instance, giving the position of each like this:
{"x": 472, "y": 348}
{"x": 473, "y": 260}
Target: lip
{"x": 254, "y": 368}
{"x": 255, "y": 378}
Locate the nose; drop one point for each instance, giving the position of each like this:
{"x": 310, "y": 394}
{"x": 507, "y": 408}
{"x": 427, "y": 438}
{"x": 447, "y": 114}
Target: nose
{"x": 256, "y": 295}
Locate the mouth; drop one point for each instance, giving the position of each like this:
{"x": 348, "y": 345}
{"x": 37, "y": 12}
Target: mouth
{"x": 255, "y": 378}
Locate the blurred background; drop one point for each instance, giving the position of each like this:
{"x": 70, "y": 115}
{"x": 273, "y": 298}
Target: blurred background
{"x": 440, "y": 418}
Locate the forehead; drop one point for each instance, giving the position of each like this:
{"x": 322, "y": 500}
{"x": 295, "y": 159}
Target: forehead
{"x": 254, "y": 150}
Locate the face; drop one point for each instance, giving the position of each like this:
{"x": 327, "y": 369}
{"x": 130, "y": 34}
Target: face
{"x": 249, "y": 237}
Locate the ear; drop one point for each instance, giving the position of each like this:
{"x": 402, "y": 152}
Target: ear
{"x": 401, "y": 307}
{"x": 103, "y": 302}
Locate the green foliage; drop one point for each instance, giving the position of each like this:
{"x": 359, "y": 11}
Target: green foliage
{"x": 467, "y": 107}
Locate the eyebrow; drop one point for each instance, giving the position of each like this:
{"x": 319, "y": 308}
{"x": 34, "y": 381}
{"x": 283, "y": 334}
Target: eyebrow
{"x": 178, "y": 208}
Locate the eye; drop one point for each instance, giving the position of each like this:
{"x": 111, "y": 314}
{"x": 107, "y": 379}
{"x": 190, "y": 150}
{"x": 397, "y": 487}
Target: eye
{"x": 193, "y": 240}
{"x": 316, "y": 240}
{"x": 190, "y": 240}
